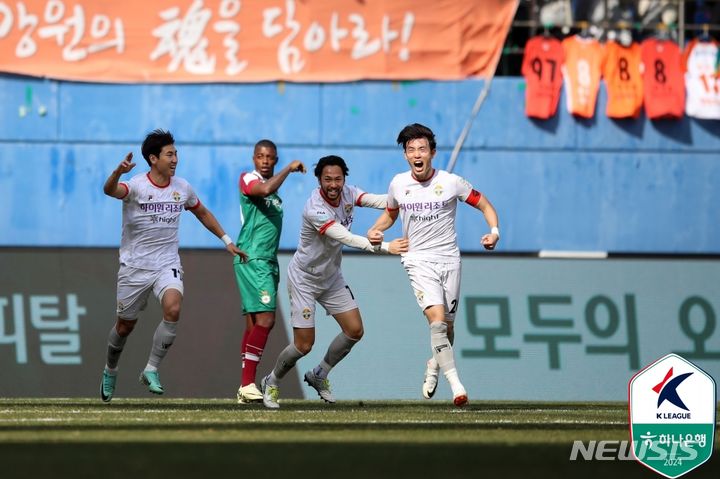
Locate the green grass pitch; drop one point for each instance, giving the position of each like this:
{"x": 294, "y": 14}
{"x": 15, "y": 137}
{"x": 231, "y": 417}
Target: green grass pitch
{"x": 177, "y": 438}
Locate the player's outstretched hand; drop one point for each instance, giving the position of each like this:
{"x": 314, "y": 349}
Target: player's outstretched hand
{"x": 297, "y": 166}
{"x": 235, "y": 251}
{"x": 489, "y": 241}
{"x": 398, "y": 246}
{"x": 126, "y": 165}
{"x": 375, "y": 236}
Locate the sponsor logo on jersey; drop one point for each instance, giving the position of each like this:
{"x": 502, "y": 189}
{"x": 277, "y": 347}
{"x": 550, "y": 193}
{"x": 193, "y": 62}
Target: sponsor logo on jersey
{"x": 321, "y": 216}
{"x": 465, "y": 183}
{"x": 414, "y": 217}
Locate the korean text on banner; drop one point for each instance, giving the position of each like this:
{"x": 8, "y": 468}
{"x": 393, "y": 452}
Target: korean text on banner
{"x": 184, "y": 41}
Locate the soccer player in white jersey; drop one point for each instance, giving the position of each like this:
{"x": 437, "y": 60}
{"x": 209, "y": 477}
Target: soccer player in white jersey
{"x": 426, "y": 201}
{"x": 149, "y": 260}
{"x": 314, "y": 275}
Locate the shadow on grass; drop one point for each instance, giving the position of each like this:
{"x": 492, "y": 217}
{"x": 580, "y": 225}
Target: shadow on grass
{"x": 300, "y": 460}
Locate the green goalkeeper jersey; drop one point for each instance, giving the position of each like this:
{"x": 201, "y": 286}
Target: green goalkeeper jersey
{"x": 261, "y": 220}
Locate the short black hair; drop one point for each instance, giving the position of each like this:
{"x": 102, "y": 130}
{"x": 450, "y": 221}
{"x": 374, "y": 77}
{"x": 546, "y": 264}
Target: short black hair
{"x": 331, "y": 160}
{"x": 154, "y": 143}
{"x": 267, "y": 144}
{"x": 415, "y": 131}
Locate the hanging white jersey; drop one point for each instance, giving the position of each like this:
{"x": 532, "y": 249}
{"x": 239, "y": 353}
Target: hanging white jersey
{"x": 427, "y": 212}
{"x": 702, "y": 82}
{"x": 150, "y": 220}
{"x": 317, "y": 255}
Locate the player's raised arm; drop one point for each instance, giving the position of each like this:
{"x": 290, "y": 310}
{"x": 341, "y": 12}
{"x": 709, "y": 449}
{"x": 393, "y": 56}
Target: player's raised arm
{"x": 266, "y": 188}
{"x": 211, "y": 223}
{"x": 343, "y": 235}
{"x": 112, "y": 186}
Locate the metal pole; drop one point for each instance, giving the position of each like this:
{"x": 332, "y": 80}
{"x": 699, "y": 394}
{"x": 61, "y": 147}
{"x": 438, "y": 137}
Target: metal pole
{"x": 681, "y": 24}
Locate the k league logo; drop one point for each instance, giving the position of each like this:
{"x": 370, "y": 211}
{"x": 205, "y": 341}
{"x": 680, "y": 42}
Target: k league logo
{"x": 672, "y": 416}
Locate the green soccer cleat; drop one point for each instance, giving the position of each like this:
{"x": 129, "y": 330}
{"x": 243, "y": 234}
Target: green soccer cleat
{"x": 151, "y": 379}
{"x": 270, "y": 394}
{"x": 107, "y": 386}
{"x": 322, "y": 386}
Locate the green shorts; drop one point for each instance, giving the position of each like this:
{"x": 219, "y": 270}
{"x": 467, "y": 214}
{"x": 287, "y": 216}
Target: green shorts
{"x": 257, "y": 281}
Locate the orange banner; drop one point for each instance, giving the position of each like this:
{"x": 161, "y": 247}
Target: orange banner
{"x": 185, "y": 41}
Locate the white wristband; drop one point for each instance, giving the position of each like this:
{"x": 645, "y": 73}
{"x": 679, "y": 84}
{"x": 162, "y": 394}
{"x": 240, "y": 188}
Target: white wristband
{"x": 495, "y": 231}
{"x": 226, "y": 239}
{"x": 385, "y": 247}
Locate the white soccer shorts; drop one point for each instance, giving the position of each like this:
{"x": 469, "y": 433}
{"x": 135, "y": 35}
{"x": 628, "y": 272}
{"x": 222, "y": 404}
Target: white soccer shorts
{"x": 435, "y": 283}
{"x": 336, "y": 298}
{"x": 134, "y": 286}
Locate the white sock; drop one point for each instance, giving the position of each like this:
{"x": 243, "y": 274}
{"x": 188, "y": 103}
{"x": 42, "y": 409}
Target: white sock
{"x": 432, "y": 367}
{"x": 444, "y": 356}
{"x": 457, "y": 388}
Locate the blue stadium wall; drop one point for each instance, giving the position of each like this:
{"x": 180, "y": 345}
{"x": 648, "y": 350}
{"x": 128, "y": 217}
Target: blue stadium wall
{"x": 564, "y": 184}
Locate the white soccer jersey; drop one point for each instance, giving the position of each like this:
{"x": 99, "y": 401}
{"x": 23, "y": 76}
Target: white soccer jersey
{"x": 150, "y": 220}
{"x": 702, "y": 82}
{"x": 317, "y": 255}
{"x": 427, "y": 212}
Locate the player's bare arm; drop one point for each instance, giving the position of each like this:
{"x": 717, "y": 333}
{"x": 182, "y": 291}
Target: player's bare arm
{"x": 270, "y": 186}
{"x": 209, "y": 221}
{"x": 385, "y": 221}
{"x": 490, "y": 240}
{"x": 112, "y": 187}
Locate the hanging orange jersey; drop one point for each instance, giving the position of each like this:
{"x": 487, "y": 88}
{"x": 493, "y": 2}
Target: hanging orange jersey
{"x": 623, "y": 80}
{"x": 663, "y": 85}
{"x": 541, "y": 68}
{"x": 581, "y": 72}
{"x": 702, "y": 83}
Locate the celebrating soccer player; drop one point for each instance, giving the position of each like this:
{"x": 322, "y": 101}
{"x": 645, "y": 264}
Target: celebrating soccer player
{"x": 426, "y": 201}
{"x": 149, "y": 260}
{"x": 314, "y": 275}
{"x": 257, "y": 279}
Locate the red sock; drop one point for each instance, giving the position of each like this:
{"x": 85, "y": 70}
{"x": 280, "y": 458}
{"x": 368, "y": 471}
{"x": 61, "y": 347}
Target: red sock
{"x": 243, "y": 347}
{"x": 254, "y": 346}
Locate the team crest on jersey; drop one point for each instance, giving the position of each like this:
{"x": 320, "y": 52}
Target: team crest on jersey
{"x": 306, "y": 313}
{"x": 264, "y": 297}
{"x": 419, "y": 295}
{"x": 176, "y": 196}
{"x": 348, "y": 208}
{"x": 438, "y": 190}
